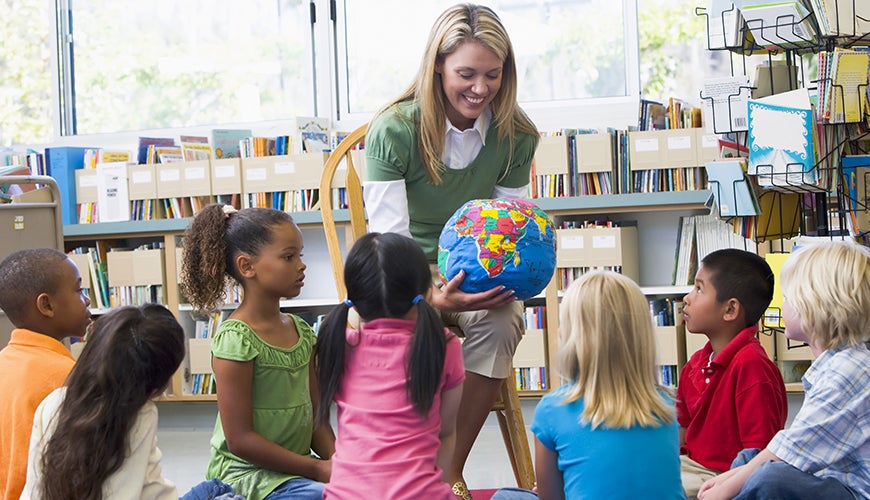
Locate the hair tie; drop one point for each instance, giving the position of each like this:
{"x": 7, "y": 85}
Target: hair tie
{"x": 229, "y": 209}
{"x": 416, "y": 300}
{"x": 348, "y": 303}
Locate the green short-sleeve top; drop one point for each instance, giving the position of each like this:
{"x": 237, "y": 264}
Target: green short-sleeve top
{"x": 282, "y": 409}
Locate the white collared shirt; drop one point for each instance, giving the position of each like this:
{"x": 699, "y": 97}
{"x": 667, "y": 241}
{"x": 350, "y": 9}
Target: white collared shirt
{"x": 387, "y": 201}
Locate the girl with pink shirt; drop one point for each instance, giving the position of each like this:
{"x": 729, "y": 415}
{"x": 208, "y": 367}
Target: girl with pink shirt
{"x": 396, "y": 381}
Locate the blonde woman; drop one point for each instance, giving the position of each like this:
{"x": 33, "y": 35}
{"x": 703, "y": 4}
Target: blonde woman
{"x": 610, "y": 431}
{"x": 825, "y": 452}
{"x": 456, "y": 134}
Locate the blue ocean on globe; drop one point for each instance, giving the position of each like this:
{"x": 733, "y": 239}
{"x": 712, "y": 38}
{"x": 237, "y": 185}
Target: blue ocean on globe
{"x": 499, "y": 242}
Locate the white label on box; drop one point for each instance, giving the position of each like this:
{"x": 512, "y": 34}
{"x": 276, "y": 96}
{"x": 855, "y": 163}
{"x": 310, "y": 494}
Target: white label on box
{"x": 194, "y": 173}
{"x": 646, "y": 145}
{"x": 285, "y": 167}
{"x": 89, "y": 181}
{"x": 608, "y": 241}
{"x": 710, "y": 141}
{"x": 224, "y": 171}
{"x": 571, "y": 242}
{"x": 170, "y": 175}
{"x": 681, "y": 142}
{"x": 255, "y": 174}
{"x": 142, "y": 177}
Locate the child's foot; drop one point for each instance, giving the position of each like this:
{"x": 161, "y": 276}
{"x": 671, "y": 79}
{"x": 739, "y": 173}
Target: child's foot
{"x": 460, "y": 489}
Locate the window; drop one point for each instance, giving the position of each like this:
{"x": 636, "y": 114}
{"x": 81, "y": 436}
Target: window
{"x": 569, "y": 52}
{"x": 165, "y": 63}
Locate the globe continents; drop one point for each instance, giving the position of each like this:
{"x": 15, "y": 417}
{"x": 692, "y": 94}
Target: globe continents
{"x": 499, "y": 242}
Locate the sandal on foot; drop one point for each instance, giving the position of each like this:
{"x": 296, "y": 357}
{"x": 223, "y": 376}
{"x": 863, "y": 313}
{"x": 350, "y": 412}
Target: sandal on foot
{"x": 461, "y": 490}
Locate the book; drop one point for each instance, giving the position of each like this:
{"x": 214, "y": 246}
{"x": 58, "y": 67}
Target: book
{"x": 225, "y": 141}
{"x": 848, "y": 85}
{"x": 732, "y": 191}
{"x": 725, "y": 104}
{"x": 724, "y": 23}
{"x": 779, "y": 25}
{"x": 774, "y": 77}
{"x": 781, "y": 142}
{"x": 856, "y": 171}
{"x": 145, "y": 142}
{"x": 113, "y": 202}
{"x": 313, "y": 134}
{"x": 773, "y": 314}
{"x": 779, "y": 216}
{"x": 61, "y": 164}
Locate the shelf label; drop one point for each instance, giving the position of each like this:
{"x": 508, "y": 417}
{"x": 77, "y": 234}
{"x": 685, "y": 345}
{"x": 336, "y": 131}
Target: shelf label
{"x": 194, "y": 173}
{"x": 285, "y": 168}
{"x": 710, "y": 141}
{"x": 680, "y": 142}
{"x": 571, "y": 242}
{"x": 224, "y": 171}
{"x": 90, "y": 180}
{"x": 608, "y": 241}
{"x": 255, "y": 174}
{"x": 141, "y": 177}
{"x": 646, "y": 145}
{"x": 170, "y": 175}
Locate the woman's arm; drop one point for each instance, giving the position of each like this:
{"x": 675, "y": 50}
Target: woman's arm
{"x": 235, "y": 406}
{"x": 550, "y": 484}
{"x": 449, "y": 408}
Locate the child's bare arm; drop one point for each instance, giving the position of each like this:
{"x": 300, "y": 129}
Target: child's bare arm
{"x": 550, "y": 483}
{"x": 323, "y": 439}
{"x": 235, "y": 406}
{"x": 449, "y": 408}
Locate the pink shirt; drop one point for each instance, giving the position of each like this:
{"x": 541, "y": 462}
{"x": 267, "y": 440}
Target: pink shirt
{"x": 384, "y": 448}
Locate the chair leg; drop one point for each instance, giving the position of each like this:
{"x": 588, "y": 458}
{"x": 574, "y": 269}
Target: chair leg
{"x": 513, "y": 430}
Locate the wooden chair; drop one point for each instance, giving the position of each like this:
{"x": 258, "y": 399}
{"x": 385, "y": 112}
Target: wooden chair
{"x": 507, "y": 407}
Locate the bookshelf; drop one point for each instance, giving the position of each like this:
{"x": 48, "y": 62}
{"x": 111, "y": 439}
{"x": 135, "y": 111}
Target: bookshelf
{"x": 657, "y": 216}
{"x": 317, "y": 297}
{"x": 810, "y": 197}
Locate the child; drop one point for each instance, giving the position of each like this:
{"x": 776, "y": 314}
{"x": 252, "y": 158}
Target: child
{"x": 264, "y": 432}
{"x": 730, "y": 394}
{"x": 825, "y": 453}
{"x": 107, "y": 444}
{"x": 610, "y": 431}
{"x": 41, "y": 294}
{"x": 396, "y": 381}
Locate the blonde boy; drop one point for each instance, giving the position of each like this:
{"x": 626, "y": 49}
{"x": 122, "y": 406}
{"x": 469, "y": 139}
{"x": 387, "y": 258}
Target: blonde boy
{"x": 825, "y": 453}
{"x": 730, "y": 394}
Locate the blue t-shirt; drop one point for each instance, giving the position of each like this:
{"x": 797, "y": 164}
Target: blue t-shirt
{"x": 640, "y": 462}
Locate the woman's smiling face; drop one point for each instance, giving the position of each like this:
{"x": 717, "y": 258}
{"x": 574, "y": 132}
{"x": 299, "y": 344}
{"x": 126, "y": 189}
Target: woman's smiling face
{"x": 471, "y": 78}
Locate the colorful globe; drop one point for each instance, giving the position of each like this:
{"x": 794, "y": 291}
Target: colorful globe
{"x": 499, "y": 242}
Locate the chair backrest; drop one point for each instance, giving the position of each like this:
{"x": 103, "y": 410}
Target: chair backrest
{"x": 341, "y": 155}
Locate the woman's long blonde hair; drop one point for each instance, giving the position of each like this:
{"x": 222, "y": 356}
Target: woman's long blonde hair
{"x": 457, "y": 25}
{"x": 608, "y": 352}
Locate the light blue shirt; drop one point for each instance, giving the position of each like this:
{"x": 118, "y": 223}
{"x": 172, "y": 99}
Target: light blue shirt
{"x": 830, "y": 435}
{"x": 638, "y": 462}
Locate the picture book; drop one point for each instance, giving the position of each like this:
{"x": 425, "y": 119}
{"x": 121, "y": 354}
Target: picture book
{"x": 732, "y": 191}
{"x": 781, "y": 143}
{"x": 773, "y": 314}
{"x": 145, "y": 142}
{"x": 848, "y": 85}
{"x": 313, "y": 134}
{"x": 225, "y": 141}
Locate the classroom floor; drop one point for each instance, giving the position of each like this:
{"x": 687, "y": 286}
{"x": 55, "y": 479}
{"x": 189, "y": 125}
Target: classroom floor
{"x": 185, "y": 429}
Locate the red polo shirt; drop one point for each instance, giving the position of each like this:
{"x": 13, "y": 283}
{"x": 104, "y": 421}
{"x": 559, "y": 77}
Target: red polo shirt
{"x": 733, "y": 402}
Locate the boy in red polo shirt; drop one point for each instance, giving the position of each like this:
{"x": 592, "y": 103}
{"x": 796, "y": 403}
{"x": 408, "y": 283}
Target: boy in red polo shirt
{"x": 730, "y": 394}
{"x": 41, "y": 294}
